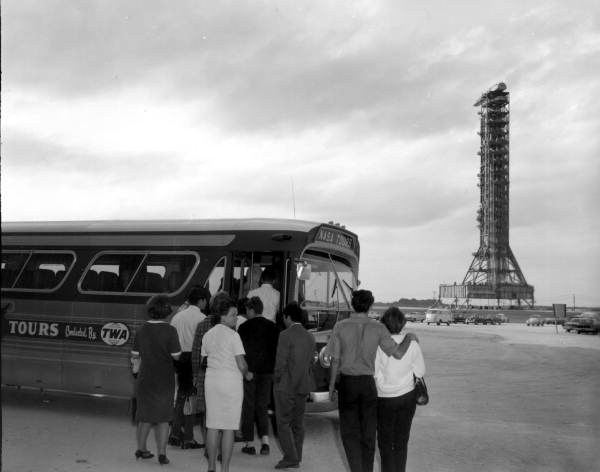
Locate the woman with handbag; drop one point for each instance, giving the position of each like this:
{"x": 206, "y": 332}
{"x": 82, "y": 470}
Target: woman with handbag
{"x": 396, "y": 397}
{"x": 155, "y": 346}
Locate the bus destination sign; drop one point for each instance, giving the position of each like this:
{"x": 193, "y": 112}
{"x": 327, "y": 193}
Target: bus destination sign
{"x": 337, "y": 238}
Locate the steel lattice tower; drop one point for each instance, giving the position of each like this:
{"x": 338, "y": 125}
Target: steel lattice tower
{"x": 494, "y": 272}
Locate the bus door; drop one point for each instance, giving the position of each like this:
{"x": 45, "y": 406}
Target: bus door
{"x": 247, "y": 269}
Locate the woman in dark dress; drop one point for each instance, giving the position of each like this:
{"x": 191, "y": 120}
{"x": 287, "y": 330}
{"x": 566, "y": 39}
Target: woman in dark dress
{"x": 156, "y": 344}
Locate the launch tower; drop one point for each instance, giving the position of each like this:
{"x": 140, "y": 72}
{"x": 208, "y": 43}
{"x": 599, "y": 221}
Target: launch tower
{"x": 494, "y": 273}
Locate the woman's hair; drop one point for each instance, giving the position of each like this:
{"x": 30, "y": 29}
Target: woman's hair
{"x": 158, "y": 307}
{"x": 393, "y": 319}
{"x": 256, "y": 304}
{"x": 221, "y": 303}
{"x": 362, "y": 300}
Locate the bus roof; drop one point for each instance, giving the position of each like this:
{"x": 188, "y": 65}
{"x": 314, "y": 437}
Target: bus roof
{"x": 141, "y": 226}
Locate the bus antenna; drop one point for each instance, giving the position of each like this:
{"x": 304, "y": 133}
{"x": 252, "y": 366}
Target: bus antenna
{"x": 293, "y": 197}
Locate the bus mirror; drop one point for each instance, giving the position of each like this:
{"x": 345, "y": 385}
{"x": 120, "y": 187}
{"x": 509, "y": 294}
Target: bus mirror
{"x": 303, "y": 270}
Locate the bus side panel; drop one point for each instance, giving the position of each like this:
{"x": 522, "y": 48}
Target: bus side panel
{"x": 96, "y": 367}
{"x": 98, "y": 371}
{"x": 34, "y": 364}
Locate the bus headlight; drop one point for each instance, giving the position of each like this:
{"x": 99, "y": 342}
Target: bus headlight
{"x": 324, "y": 358}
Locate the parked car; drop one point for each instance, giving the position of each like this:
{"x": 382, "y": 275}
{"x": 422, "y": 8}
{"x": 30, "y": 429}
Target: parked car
{"x": 438, "y": 316}
{"x": 459, "y": 317}
{"x": 586, "y": 322}
{"x": 482, "y": 318}
{"x": 535, "y": 320}
{"x": 553, "y": 321}
{"x": 502, "y": 318}
{"x": 415, "y": 316}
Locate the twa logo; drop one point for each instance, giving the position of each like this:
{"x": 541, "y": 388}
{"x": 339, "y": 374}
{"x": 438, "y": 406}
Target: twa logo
{"x": 115, "y": 334}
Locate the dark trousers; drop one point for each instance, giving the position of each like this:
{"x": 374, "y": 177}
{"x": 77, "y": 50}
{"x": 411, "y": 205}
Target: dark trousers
{"x": 289, "y": 409}
{"x": 183, "y": 425}
{"x": 357, "y": 404}
{"x": 394, "y": 419}
{"x": 257, "y": 394}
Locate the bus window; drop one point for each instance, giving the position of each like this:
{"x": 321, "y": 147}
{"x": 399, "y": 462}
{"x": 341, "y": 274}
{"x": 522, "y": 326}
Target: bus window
{"x": 214, "y": 282}
{"x": 12, "y": 263}
{"x": 139, "y": 272}
{"x": 111, "y": 272}
{"x": 45, "y": 270}
{"x": 163, "y": 273}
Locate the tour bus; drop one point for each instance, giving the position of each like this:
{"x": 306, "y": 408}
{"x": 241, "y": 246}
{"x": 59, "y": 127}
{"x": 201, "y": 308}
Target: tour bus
{"x": 73, "y": 293}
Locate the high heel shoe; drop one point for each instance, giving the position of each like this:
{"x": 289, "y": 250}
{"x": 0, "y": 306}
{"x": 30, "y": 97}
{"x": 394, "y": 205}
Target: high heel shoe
{"x": 162, "y": 459}
{"x": 139, "y": 454}
{"x": 193, "y": 444}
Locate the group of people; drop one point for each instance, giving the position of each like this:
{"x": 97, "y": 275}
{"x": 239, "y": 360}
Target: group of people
{"x": 227, "y": 370}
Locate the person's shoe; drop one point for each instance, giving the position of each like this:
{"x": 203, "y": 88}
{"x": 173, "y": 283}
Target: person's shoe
{"x": 287, "y": 465}
{"x": 162, "y": 459}
{"x": 250, "y": 450}
{"x": 174, "y": 441}
{"x": 139, "y": 454}
{"x": 264, "y": 450}
{"x": 193, "y": 444}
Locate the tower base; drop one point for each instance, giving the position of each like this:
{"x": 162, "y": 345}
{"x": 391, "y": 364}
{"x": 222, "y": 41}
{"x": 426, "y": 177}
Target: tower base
{"x": 469, "y": 294}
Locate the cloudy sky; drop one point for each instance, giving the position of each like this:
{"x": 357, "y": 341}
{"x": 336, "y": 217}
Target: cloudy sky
{"x": 203, "y": 109}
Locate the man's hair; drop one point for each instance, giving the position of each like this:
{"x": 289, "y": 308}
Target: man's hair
{"x": 158, "y": 307}
{"x": 256, "y": 304}
{"x": 241, "y": 305}
{"x": 294, "y": 311}
{"x": 268, "y": 275}
{"x": 198, "y": 293}
{"x": 221, "y": 304}
{"x": 393, "y": 319}
{"x": 362, "y": 300}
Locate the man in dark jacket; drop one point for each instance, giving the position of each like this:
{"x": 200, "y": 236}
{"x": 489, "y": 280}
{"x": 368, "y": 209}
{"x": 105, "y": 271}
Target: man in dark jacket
{"x": 259, "y": 337}
{"x": 292, "y": 382}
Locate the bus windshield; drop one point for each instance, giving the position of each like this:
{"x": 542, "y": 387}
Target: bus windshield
{"x": 330, "y": 284}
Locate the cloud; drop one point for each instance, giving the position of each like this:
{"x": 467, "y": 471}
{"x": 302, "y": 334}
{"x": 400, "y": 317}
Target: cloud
{"x": 201, "y": 109}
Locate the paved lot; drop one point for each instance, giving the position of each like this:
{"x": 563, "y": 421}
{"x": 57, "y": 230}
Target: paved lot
{"x": 503, "y": 398}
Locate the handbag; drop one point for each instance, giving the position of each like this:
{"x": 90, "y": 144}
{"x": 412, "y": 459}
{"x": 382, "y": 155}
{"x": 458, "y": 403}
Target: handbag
{"x": 421, "y": 394}
{"x": 189, "y": 405}
{"x": 136, "y": 362}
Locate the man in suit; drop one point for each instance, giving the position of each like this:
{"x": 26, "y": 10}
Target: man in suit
{"x": 292, "y": 382}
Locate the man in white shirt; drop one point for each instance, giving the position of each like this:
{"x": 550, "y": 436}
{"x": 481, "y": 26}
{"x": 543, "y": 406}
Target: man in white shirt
{"x": 185, "y": 322}
{"x": 267, "y": 294}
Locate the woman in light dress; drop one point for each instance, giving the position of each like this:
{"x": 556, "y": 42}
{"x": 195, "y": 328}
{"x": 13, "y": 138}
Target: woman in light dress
{"x": 223, "y": 386}
{"x": 396, "y": 401}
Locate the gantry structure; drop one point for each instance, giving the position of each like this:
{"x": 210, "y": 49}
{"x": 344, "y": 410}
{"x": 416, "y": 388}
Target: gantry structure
{"x": 494, "y": 274}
